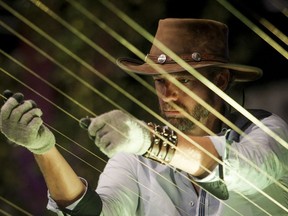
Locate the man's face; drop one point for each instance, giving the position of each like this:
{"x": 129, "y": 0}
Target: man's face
{"x": 171, "y": 98}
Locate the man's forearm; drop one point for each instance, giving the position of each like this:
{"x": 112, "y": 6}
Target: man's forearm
{"x": 64, "y": 185}
{"x": 193, "y": 160}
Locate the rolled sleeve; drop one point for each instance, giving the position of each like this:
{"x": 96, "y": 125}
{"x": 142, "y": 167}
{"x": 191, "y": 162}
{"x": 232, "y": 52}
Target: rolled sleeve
{"x": 219, "y": 143}
{"x": 52, "y": 205}
{"x": 257, "y": 160}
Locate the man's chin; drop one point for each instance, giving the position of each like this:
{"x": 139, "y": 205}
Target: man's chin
{"x": 182, "y": 124}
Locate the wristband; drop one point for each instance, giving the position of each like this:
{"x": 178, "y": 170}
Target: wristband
{"x": 164, "y": 141}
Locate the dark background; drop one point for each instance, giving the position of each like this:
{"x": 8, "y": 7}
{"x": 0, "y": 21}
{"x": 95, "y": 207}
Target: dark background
{"x": 22, "y": 188}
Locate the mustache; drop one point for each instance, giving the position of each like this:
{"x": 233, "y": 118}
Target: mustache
{"x": 174, "y": 106}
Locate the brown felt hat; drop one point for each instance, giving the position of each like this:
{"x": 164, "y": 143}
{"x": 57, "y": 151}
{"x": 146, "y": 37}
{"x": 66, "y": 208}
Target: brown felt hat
{"x": 199, "y": 42}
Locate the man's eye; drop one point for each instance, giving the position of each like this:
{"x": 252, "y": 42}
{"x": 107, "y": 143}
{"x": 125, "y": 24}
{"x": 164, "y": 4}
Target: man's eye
{"x": 184, "y": 81}
{"x": 159, "y": 80}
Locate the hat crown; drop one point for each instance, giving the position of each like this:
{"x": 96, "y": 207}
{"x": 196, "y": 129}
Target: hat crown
{"x": 199, "y": 42}
{"x": 188, "y": 36}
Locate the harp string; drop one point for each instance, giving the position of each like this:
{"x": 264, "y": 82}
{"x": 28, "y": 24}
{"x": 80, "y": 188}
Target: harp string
{"x": 257, "y": 30}
{"x": 13, "y": 205}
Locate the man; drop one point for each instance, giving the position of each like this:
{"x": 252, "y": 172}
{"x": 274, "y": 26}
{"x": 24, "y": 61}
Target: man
{"x": 175, "y": 170}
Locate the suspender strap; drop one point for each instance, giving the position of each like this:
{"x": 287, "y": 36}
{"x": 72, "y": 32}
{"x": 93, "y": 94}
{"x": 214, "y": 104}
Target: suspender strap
{"x": 202, "y": 203}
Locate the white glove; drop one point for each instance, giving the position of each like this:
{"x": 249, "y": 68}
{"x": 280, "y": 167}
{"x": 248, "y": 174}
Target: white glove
{"x": 21, "y": 123}
{"x": 117, "y": 131}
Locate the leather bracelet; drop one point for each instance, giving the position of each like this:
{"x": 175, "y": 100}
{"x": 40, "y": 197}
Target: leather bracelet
{"x": 163, "y": 143}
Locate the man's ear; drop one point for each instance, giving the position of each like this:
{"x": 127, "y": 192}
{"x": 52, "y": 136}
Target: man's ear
{"x": 222, "y": 80}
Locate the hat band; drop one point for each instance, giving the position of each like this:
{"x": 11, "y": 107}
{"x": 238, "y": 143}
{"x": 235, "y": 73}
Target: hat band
{"x": 194, "y": 57}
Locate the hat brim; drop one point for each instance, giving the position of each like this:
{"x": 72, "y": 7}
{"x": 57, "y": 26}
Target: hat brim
{"x": 241, "y": 73}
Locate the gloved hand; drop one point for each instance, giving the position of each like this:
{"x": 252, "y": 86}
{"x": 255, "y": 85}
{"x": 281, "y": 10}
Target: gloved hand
{"x": 117, "y": 131}
{"x": 21, "y": 123}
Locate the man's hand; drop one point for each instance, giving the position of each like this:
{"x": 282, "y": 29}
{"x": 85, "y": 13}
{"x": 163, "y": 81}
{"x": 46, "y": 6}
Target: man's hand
{"x": 21, "y": 123}
{"x": 117, "y": 131}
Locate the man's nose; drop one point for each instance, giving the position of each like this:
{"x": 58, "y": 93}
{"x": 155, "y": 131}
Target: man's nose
{"x": 170, "y": 92}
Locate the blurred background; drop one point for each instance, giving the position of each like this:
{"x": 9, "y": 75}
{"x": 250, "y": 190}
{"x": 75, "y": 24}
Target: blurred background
{"x": 44, "y": 55}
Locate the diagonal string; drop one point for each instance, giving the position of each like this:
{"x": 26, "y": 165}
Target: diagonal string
{"x": 14, "y": 206}
{"x": 5, "y": 213}
{"x": 256, "y": 29}
{"x": 30, "y": 88}
{"x": 281, "y": 6}
{"x": 273, "y": 29}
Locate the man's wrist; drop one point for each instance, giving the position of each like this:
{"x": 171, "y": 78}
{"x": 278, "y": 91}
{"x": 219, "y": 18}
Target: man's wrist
{"x": 45, "y": 143}
{"x": 163, "y": 143}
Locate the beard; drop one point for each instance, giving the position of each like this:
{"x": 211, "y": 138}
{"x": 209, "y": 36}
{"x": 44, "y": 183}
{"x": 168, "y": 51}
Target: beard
{"x": 184, "y": 124}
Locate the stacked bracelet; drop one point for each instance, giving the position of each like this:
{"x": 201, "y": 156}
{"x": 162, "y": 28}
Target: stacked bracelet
{"x": 163, "y": 144}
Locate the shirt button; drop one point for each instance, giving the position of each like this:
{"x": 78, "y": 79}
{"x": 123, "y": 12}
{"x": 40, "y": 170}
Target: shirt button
{"x": 191, "y": 203}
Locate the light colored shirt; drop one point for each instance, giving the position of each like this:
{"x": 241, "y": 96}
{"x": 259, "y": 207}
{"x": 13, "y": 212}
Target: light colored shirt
{"x": 134, "y": 185}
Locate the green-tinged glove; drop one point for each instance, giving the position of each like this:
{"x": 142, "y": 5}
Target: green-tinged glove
{"x": 21, "y": 123}
{"x": 117, "y": 131}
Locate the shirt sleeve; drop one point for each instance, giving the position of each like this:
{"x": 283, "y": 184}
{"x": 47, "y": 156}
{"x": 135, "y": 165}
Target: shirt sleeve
{"x": 118, "y": 186}
{"x": 52, "y": 205}
{"x": 257, "y": 160}
{"x": 219, "y": 143}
